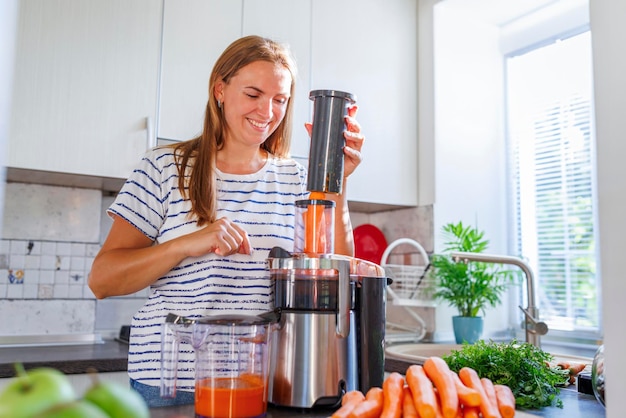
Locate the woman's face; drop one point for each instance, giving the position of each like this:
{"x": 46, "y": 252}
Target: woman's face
{"x": 254, "y": 101}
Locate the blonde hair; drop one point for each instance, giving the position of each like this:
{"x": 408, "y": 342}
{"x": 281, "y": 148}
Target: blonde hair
{"x": 196, "y": 158}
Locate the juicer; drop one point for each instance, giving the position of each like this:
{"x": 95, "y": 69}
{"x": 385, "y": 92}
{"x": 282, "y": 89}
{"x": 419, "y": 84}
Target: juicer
{"x": 329, "y": 338}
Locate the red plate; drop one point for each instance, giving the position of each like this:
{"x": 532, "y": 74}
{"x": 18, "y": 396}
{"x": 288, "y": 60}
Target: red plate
{"x": 369, "y": 243}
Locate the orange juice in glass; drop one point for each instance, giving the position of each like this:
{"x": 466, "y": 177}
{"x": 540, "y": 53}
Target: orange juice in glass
{"x": 239, "y": 397}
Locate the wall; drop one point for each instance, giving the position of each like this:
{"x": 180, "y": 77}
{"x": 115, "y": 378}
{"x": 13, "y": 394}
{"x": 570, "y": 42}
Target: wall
{"x": 469, "y": 151}
{"x": 49, "y": 240}
{"x": 8, "y": 31}
{"x": 608, "y": 35}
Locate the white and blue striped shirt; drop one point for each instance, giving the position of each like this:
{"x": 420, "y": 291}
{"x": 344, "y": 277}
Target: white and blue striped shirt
{"x": 262, "y": 203}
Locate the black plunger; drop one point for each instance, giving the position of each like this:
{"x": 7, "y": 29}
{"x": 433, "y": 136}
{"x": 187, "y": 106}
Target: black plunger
{"x": 330, "y": 107}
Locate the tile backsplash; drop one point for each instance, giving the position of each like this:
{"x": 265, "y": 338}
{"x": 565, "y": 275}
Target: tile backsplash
{"x": 50, "y": 237}
{"x": 33, "y": 269}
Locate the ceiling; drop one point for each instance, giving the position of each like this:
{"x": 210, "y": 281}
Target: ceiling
{"x": 503, "y": 12}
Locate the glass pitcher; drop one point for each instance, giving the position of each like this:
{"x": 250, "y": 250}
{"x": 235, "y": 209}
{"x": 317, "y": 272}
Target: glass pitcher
{"x": 231, "y": 362}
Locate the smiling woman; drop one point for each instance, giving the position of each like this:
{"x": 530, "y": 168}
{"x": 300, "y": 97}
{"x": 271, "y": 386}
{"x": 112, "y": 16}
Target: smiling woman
{"x": 196, "y": 220}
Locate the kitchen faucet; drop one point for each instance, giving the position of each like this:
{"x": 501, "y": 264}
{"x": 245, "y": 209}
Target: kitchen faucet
{"x": 533, "y": 327}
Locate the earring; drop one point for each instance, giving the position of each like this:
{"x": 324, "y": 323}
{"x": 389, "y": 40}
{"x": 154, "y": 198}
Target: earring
{"x": 219, "y": 104}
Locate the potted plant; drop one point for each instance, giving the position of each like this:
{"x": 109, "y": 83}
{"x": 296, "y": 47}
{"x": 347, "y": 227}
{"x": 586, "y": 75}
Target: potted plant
{"x": 469, "y": 287}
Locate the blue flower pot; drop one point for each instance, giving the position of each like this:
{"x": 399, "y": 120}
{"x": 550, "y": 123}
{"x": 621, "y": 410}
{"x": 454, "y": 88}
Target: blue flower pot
{"x": 467, "y": 328}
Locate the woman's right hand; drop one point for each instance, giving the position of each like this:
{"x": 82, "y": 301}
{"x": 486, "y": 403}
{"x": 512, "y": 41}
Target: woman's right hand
{"x": 222, "y": 237}
{"x": 128, "y": 261}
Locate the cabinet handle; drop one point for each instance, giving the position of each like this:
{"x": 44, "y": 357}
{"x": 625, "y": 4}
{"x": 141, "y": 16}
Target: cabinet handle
{"x": 150, "y": 138}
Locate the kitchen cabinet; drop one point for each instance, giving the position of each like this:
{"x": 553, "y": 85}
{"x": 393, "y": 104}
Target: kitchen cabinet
{"x": 191, "y": 47}
{"x": 195, "y": 32}
{"x": 85, "y": 85}
{"x": 365, "y": 47}
{"x": 369, "y": 48}
{"x": 289, "y": 22}
{"x": 97, "y": 82}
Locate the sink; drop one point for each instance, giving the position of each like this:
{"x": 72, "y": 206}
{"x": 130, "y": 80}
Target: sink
{"x": 418, "y": 353}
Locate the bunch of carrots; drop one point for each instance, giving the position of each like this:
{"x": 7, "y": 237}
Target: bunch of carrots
{"x": 430, "y": 391}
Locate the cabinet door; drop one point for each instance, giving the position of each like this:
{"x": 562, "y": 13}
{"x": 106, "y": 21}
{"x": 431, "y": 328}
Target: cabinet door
{"x": 195, "y": 32}
{"x": 369, "y": 48}
{"x": 85, "y": 85}
{"x": 288, "y": 22}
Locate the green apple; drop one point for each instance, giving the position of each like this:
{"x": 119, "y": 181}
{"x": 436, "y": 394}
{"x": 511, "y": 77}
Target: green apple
{"x": 34, "y": 391}
{"x": 76, "y": 409}
{"x": 116, "y": 400}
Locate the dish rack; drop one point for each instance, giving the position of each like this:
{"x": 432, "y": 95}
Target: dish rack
{"x": 410, "y": 289}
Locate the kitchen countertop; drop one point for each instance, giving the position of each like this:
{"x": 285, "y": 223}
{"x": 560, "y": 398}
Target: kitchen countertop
{"x": 112, "y": 357}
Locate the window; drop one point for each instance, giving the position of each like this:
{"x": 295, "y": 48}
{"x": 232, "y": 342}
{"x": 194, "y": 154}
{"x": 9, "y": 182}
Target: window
{"x": 551, "y": 147}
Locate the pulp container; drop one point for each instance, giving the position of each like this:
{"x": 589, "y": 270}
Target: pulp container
{"x": 232, "y": 354}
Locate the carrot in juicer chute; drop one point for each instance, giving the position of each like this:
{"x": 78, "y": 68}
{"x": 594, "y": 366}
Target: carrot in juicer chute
{"x": 314, "y": 236}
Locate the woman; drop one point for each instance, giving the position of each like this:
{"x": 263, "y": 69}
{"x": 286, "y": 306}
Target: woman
{"x": 196, "y": 220}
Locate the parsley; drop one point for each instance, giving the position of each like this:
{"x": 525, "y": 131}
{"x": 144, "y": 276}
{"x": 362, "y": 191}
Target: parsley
{"x": 521, "y": 366}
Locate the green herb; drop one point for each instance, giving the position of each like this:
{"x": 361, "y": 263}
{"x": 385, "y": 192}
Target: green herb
{"x": 521, "y": 366}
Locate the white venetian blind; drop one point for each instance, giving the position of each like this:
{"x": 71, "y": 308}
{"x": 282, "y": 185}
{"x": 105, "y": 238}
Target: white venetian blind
{"x": 551, "y": 143}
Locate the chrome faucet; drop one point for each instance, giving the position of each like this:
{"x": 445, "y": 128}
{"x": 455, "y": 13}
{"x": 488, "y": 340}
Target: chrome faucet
{"x": 533, "y": 327}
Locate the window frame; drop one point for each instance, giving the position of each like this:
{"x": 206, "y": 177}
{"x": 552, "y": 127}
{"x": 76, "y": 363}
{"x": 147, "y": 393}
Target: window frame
{"x": 518, "y": 42}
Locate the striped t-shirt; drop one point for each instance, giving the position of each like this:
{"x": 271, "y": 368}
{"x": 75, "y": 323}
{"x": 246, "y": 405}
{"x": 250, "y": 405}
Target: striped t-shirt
{"x": 262, "y": 203}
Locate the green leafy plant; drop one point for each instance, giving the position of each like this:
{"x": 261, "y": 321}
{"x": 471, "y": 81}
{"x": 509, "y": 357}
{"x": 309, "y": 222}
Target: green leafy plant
{"x": 468, "y": 287}
{"x": 521, "y": 366}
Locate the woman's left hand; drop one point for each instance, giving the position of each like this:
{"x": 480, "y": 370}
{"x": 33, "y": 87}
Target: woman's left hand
{"x": 354, "y": 141}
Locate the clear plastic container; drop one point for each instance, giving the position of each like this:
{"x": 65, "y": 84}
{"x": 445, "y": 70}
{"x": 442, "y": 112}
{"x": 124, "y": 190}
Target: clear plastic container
{"x": 597, "y": 375}
{"x": 231, "y": 362}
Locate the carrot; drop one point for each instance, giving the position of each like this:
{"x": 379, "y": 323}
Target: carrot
{"x": 467, "y": 396}
{"x": 575, "y": 368}
{"x": 439, "y": 413}
{"x": 470, "y": 411}
{"x": 564, "y": 365}
{"x": 348, "y": 402}
{"x": 408, "y": 407}
{"x": 352, "y": 396}
{"x": 393, "y": 393}
{"x": 371, "y": 407}
{"x": 439, "y": 373}
{"x": 422, "y": 391}
{"x": 315, "y": 239}
{"x": 471, "y": 379}
{"x": 374, "y": 394}
{"x": 459, "y": 411}
{"x": 490, "y": 392}
{"x": 506, "y": 400}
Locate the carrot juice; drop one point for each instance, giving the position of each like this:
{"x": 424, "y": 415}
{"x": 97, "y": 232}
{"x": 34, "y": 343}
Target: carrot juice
{"x": 225, "y": 397}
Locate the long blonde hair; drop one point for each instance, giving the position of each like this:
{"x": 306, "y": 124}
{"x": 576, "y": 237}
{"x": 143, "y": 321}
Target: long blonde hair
{"x": 200, "y": 185}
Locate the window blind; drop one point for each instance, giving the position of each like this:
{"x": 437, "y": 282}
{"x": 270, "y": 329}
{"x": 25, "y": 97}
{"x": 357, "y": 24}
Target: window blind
{"x": 552, "y": 157}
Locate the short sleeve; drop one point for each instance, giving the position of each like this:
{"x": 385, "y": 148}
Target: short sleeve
{"x": 141, "y": 200}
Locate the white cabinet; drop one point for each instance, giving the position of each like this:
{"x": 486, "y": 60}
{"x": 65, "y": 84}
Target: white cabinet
{"x": 91, "y": 73}
{"x": 195, "y": 32}
{"x": 191, "y": 47}
{"x": 85, "y": 85}
{"x": 369, "y": 48}
{"x": 289, "y": 22}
